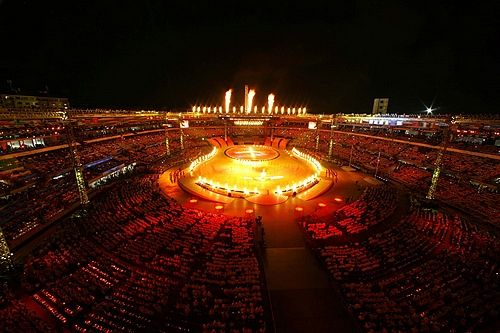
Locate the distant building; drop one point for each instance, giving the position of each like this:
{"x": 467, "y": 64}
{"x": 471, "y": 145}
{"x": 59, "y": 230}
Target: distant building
{"x": 380, "y": 105}
{"x": 32, "y": 102}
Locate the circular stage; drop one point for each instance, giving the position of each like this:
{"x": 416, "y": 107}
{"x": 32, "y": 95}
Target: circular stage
{"x": 252, "y": 153}
{"x": 257, "y": 173}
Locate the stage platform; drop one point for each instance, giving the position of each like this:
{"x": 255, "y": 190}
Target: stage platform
{"x": 254, "y": 172}
{"x": 317, "y": 190}
{"x": 188, "y": 185}
{"x": 259, "y": 174}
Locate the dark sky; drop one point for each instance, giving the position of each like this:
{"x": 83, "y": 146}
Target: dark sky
{"x": 334, "y": 57}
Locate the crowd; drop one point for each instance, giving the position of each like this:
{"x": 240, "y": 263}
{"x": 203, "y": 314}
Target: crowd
{"x": 16, "y": 317}
{"x": 374, "y": 206}
{"x": 42, "y": 186}
{"x": 428, "y": 271}
{"x": 413, "y": 166}
{"x": 391, "y": 158}
{"x": 35, "y": 206}
{"x": 32, "y": 135}
{"x": 139, "y": 261}
{"x": 464, "y": 180}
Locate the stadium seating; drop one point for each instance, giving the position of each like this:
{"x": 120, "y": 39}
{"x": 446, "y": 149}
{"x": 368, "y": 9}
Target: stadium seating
{"x": 138, "y": 255}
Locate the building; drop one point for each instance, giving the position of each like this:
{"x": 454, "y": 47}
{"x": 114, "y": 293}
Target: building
{"x": 32, "y": 102}
{"x": 380, "y": 105}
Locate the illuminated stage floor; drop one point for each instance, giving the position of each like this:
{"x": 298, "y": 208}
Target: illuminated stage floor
{"x": 258, "y": 173}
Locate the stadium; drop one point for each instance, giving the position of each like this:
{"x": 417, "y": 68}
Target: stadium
{"x": 248, "y": 219}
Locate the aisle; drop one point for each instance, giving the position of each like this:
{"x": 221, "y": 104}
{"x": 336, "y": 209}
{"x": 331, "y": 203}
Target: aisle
{"x": 301, "y": 298}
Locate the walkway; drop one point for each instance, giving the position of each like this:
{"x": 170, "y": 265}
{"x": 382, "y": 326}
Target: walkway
{"x": 301, "y": 297}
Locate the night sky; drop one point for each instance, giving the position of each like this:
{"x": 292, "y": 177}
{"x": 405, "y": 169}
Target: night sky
{"x": 334, "y": 57}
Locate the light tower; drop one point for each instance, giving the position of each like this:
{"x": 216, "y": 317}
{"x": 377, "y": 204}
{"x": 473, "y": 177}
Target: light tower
{"x": 378, "y": 163}
{"x": 330, "y": 147}
{"x": 6, "y": 260}
{"x": 181, "y": 133}
{"x": 167, "y": 141}
{"x": 77, "y": 165}
{"x": 317, "y": 132}
{"x": 439, "y": 161}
